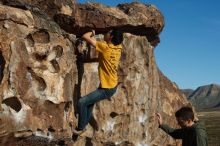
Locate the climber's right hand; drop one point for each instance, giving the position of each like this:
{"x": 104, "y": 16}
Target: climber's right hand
{"x": 89, "y": 39}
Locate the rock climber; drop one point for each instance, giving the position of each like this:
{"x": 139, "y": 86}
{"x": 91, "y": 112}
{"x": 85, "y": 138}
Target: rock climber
{"x": 109, "y": 56}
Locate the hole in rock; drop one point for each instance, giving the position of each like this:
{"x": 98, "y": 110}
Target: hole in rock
{"x": 113, "y": 114}
{"x": 51, "y": 129}
{"x": 55, "y": 65}
{"x": 40, "y": 57}
{"x": 59, "y": 50}
{"x": 109, "y": 144}
{"x": 30, "y": 40}
{"x": 61, "y": 143}
{"x": 13, "y": 102}
{"x": 88, "y": 142}
{"x": 41, "y": 36}
{"x": 40, "y": 130}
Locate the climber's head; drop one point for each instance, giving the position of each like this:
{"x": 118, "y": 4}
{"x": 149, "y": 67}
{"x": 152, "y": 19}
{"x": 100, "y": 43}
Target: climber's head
{"x": 114, "y": 36}
{"x": 185, "y": 117}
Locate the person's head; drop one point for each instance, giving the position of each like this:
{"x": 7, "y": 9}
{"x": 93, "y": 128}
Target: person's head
{"x": 114, "y": 36}
{"x": 185, "y": 117}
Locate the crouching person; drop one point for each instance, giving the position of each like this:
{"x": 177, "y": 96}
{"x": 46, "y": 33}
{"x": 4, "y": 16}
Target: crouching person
{"x": 192, "y": 133}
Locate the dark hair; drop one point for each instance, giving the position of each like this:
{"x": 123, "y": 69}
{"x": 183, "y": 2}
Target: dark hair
{"x": 117, "y": 36}
{"x": 186, "y": 113}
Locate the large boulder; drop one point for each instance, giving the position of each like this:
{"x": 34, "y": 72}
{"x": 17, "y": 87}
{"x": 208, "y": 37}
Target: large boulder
{"x": 129, "y": 117}
{"x": 136, "y": 18}
{"x": 43, "y": 74}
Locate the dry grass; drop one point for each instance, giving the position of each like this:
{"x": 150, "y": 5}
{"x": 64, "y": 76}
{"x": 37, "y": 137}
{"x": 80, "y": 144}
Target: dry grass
{"x": 212, "y": 121}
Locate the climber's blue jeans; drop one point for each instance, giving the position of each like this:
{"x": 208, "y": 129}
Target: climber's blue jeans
{"x": 86, "y": 103}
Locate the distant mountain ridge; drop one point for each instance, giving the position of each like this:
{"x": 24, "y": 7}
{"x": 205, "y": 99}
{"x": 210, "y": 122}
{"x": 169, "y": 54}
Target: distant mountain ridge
{"x": 207, "y": 96}
{"x": 187, "y": 92}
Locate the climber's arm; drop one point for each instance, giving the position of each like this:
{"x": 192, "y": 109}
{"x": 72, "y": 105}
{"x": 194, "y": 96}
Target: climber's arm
{"x": 175, "y": 133}
{"x": 88, "y": 37}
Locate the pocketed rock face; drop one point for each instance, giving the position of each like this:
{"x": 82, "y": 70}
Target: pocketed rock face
{"x": 41, "y": 80}
{"x": 38, "y": 77}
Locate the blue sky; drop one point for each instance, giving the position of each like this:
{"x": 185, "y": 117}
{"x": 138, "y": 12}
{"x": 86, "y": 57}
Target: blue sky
{"x": 189, "y": 52}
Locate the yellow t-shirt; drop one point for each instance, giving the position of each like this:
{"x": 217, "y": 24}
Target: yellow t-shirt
{"x": 109, "y": 56}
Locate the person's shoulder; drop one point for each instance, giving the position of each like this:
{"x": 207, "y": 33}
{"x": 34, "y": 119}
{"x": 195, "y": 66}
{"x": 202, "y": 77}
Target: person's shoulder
{"x": 119, "y": 46}
{"x": 199, "y": 124}
{"x": 101, "y": 42}
{"x": 199, "y": 127}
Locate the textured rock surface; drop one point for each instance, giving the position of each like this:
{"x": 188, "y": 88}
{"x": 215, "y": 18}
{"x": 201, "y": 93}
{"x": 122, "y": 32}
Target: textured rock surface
{"x": 42, "y": 78}
{"x": 129, "y": 118}
{"x": 38, "y": 74}
{"x": 50, "y": 7}
{"x": 135, "y": 18}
